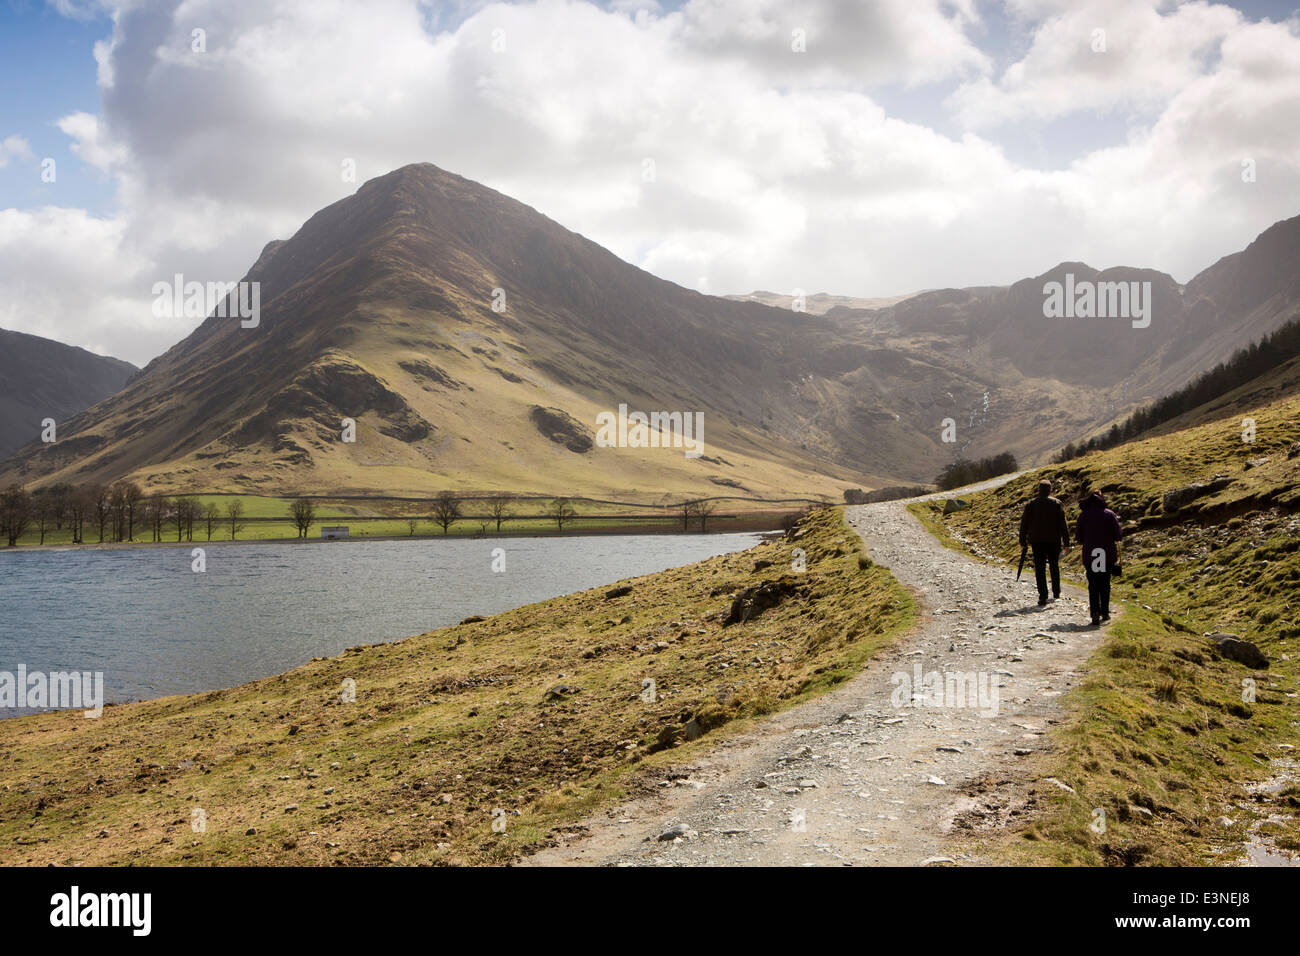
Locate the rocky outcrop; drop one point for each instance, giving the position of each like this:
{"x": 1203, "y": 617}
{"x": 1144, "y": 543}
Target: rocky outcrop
{"x": 1180, "y": 498}
{"x": 753, "y": 601}
{"x": 327, "y": 392}
{"x": 426, "y": 371}
{"x": 562, "y": 428}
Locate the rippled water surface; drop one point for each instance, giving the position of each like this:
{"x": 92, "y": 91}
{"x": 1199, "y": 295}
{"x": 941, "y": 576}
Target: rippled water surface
{"x": 154, "y": 627}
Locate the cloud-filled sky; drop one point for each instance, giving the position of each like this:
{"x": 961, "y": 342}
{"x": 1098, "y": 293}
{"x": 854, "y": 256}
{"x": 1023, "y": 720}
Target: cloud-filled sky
{"x": 859, "y": 147}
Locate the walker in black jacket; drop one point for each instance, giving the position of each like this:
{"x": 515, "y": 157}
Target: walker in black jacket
{"x": 1043, "y": 528}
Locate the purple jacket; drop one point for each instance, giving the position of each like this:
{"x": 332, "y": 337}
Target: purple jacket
{"x": 1097, "y": 527}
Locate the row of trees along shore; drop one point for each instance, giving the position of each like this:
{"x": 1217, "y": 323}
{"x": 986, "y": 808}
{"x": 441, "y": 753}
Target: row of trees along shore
{"x": 118, "y": 512}
{"x": 114, "y": 513}
{"x": 446, "y": 509}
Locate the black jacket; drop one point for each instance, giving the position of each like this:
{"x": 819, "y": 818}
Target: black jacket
{"x": 1044, "y": 522}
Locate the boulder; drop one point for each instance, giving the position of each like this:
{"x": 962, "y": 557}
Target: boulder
{"x": 561, "y": 691}
{"x": 1235, "y": 649}
{"x": 1294, "y": 450}
{"x": 618, "y": 592}
{"x": 667, "y": 737}
{"x": 955, "y": 504}
{"x": 1255, "y": 463}
{"x": 751, "y": 602}
{"x": 1180, "y": 498}
{"x": 678, "y": 831}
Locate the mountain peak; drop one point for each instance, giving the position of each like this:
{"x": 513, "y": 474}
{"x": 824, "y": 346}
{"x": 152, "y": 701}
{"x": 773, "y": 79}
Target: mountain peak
{"x": 1061, "y": 268}
{"x": 422, "y": 179}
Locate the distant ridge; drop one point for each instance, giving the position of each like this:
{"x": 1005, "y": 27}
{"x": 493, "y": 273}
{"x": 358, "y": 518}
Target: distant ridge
{"x": 41, "y": 378}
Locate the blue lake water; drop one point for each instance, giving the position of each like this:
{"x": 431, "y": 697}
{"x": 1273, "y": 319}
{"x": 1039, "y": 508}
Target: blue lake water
{"x": 155, "y": 627}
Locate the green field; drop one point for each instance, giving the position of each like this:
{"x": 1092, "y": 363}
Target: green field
{"x": 266, "y": 518}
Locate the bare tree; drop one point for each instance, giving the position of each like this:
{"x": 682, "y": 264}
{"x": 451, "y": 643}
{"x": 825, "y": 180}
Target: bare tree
{"x": 149, "y": 515}
{"x": 79, "y": 505}
{"x": 132, "y": 498}
{"x": 15, "y": 514}
{"x": 446, "y": 509}
{"x": 303, "y": 511}
{"x": 42, "y": 510}
{"x": 689, "y": 510}
{"x": 61, "y": 496}
{"x": 561, "y": 510}
{"x": 117, "y": 510}
{"x": 99, "y": 506}
{"x": 179, "y": 515}
{"x": 499, "y": 508}
{"x": 155, "y": 515}
{"x": 235, "y": 515}
{"x": 704, "y": 510}
{"x": 411, "y": 525}
{"x": 211, "y": 514}
{"x": 193, "y": 510}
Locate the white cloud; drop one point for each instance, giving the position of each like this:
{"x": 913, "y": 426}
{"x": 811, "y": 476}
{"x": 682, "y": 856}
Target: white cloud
{"x": 1100, "y": 55}
{"x": 853, "y": 44}
{"x": 66, "y": 271}
{"x": 14, "y": 147}
{"x": 772, "y": 169}
{"x": 89, "y": 143}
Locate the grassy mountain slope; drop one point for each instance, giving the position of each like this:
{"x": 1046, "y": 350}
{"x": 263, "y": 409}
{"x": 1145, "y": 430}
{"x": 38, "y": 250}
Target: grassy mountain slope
{"x": 381, "y": 309}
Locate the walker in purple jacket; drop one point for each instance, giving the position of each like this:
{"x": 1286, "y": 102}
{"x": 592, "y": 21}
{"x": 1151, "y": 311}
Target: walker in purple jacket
{"x": 1097, "y": 527}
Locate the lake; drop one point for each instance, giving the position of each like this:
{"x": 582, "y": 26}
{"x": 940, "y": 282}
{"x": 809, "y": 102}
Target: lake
{"x": 155, "y": 627}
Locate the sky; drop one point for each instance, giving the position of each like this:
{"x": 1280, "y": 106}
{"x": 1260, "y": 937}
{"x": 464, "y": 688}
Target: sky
{"x": 857, "y": 147}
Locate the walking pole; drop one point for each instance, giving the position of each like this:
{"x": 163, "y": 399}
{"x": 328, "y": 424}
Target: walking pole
{"x": 1023, "y": 551}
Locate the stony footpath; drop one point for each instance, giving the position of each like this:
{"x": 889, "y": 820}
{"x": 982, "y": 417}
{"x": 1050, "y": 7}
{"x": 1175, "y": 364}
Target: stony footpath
{"x": 889, "y": 769}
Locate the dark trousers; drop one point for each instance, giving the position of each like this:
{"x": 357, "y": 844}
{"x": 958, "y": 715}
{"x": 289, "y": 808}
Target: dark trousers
{"x": 1047, "y": 553}
{"x": 1099, "y": 593}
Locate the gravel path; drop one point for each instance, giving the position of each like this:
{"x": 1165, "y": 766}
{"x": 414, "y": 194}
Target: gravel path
{"x": 864, "y": 774}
